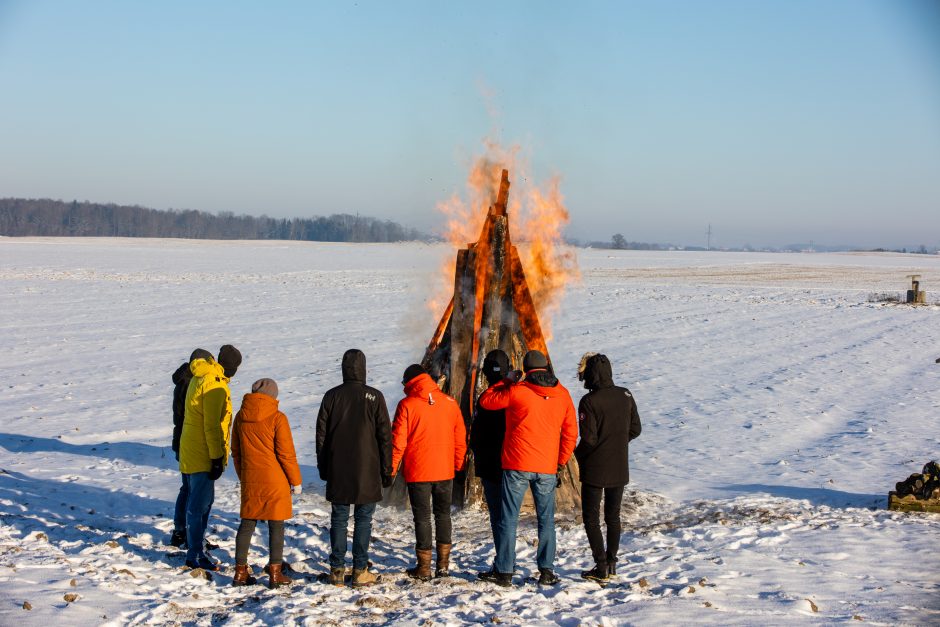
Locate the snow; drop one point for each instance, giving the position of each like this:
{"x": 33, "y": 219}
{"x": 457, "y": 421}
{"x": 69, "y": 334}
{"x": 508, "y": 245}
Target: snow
{"x": 779, "y": 406}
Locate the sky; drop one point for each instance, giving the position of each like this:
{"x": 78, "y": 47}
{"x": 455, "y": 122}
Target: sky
{"x": 775, "y": 122}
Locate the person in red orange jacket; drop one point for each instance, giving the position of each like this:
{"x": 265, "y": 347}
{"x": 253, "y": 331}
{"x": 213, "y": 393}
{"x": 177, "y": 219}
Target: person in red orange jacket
{"x": 429, "y": 436}
{"x": 541, "y": 433}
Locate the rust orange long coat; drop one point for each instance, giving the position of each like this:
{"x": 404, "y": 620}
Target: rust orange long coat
{"x": 264, "y": 459}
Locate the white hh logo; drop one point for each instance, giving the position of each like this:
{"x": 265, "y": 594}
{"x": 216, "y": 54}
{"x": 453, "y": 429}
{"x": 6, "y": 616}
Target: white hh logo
{"x": 371, "y": 397}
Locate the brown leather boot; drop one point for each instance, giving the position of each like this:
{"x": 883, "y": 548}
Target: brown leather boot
{"x": 276, "y": 577}
{"x": 243, "y": 576}
{"x": 363, "y": 577}
{"x": 422, "y": 571}
{"x": 443, "y": 561}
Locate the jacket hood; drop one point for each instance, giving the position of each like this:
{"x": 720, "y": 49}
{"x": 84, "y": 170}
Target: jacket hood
{"x": 257, "y": 407}
{"x": 207, "y": 367}
{"x": 422, "y": 386}
{"x": 182, "y": 374}
{"x": 542, "y": 377}
{"x": 598, "y": 373}
{"x": 354, "y": 366}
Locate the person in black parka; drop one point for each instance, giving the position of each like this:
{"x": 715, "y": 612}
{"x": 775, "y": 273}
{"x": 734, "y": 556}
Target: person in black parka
{"x": 486, "y": 439}
{"x": 181, "y": 379}
{"x": 608, "y": 420}
{"x": 354, "y": 457}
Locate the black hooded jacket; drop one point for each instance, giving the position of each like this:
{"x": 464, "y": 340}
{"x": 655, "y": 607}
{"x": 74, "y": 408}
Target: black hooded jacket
{"x": 354, "y": 437}
{"x": 488, "y": 429}
{"x": 608, "y": 420}
{"x": 181, "y": 379}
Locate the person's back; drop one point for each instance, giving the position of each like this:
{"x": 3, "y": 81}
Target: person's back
{"x": 354, "y": 458}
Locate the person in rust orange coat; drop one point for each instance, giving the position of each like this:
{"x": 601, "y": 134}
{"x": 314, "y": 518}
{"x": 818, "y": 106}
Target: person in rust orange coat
{"x": 429, "y": 437}
{"x": 266, "y": 463}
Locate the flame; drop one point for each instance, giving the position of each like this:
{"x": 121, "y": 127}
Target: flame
{"x": 539, "y": 218}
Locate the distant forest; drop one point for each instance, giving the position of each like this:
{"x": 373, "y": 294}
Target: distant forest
{"x": 56, "y": 218}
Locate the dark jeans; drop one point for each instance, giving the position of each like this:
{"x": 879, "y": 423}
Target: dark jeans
{"x": 362, "y": 534}
{"x": 179, "y": 515}
{"x": 590, "y": 513}
{"x": 421, "y": 495}
{"x": 515, "y": 484}
{"x": 198, "y": 506}
{"x": 275, "y": 541}
{"x": 493, "y": 493}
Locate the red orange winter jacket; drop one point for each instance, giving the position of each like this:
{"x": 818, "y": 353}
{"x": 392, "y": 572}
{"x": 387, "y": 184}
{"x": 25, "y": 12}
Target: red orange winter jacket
{"x": 541, "y": 425}
{"x": 428, "y": 433}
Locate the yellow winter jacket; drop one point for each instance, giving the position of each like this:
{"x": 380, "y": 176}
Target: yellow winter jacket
{"x": 208, "y": 418}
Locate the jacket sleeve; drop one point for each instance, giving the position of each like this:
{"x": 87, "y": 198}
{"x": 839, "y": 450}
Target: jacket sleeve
{"x": 323, "y": 422}
{"x": 635, "y": 426}
{"x": 213, "y": 410}
{"x": 587, "y": 422}
{"x": 237, "y": 445}
{"x": 399, "y": 435}
{"x": 496, "y": 396}
{"x": 569, "y": 434}
{"x": 383, "y": 435}
{"x": 460, "y": 440}
{"x": 284, "y": 450}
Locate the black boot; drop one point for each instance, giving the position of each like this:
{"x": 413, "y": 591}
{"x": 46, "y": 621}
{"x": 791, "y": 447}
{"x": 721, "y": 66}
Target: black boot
{"x": 598, "y": 574}
{"x": 547, "y": 577}
{"x": 494, "y": 576}
{"x": 178, "y": 539}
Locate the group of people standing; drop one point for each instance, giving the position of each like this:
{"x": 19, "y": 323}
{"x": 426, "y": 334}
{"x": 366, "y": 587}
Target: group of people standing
{"x": 523, "y": 433}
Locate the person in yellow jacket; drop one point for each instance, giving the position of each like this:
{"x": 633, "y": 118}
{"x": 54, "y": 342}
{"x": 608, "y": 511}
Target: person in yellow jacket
{"x": 205, "y": 445}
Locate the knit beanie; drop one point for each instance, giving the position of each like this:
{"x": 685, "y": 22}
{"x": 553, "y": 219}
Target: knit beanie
{"x": 230, "y": 359}
{"x": 495, "y": 366}
{"x": 265, "y": 386}
{"x": 200, "y": 353}
{"x": 534, "y": 360}
{"x": 411, "y": 372}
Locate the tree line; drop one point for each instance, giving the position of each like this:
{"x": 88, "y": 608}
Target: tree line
{"x": 56, "y": 218}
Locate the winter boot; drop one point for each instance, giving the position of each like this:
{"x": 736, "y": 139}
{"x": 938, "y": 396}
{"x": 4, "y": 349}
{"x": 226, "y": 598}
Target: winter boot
{"x": 363, "y": 577}
{"x": 243, "y": 576}
{"x": 276, "y": 577}
{"x": 337, "y": 576}
{"x": 598, "y": 574}
{"x": 494, "y": 576}
{"x": 422, "y": 571}
{"x": 178, "y": 539}
{"x": 547, "y": 577}
{"x": 443, "y": 561}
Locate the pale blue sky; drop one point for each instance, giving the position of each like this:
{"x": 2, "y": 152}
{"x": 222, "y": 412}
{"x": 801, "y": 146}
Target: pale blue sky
{"x": 774, "y": 121}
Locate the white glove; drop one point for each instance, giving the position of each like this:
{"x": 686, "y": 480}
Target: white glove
{"x": 297, "y": 489}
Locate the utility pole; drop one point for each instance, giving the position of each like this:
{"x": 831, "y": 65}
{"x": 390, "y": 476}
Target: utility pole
{"x": 708, "y": 238}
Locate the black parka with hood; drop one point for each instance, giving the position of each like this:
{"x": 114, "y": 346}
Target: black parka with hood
{"x": 354, "y": 437}
{"x": 489, "y": 426}
{"x": 608, "y": 420}
{"x": 181, "y": 379}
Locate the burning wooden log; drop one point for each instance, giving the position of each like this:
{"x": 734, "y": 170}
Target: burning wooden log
{"x": 491, "y": 308}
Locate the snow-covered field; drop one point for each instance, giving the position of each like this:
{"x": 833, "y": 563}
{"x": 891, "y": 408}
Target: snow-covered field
{"x": 778, "y": 406}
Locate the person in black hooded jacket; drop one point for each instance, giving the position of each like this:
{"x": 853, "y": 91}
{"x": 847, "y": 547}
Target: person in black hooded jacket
{"x": 608, "y": 420}
{"x": 354, "y": 457}
{"x": 181, "y": 379}
{"x": 486, "y": 439}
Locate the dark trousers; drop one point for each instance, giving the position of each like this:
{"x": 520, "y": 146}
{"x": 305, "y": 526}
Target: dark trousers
{"x": 179, "y": 515}
{"x": 493, "y": 494}
{"x": 590, "y": 513}
{"x": 275, "y": 541}
{"x": 198, "y": 505}
{"x": 362, "y": 534}
{"x": 422, "y": 495}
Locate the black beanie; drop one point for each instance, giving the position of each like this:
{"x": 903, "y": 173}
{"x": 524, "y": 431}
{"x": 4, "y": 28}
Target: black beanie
{"x": 230, "y": 359}
{"x": 200, "y": 353}
{"x": 496, "y": 366}
{"x": 411, "y": 372}
{"x": 534, "y": 360}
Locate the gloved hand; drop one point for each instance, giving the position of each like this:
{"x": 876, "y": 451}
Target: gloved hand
{"x": 388, "y": 480}
{"x": 297, "y": 489}
{"x": 558, "y": 476}
{"x": 514, "y": 375}
{"x": 217, "y": 468}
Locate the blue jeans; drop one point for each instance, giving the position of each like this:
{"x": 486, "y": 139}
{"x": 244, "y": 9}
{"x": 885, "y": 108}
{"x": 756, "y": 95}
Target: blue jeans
{"x": 515, "y": 483}
{"x": 179, "y": 515}
{"x": 493, "y": 494}
{"x": 198, "y": 506}
{"x": 362, "y": 534}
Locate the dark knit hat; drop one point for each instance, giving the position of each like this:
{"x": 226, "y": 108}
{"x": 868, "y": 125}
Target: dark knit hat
{"x": 230, "y": 359}
{"x": 496, "y": 366}
{"x": 200, "y": 353}
{"x": 411, "y": 372}
{"x": 265, "y": 386}
{"x": 534, "y": 360}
